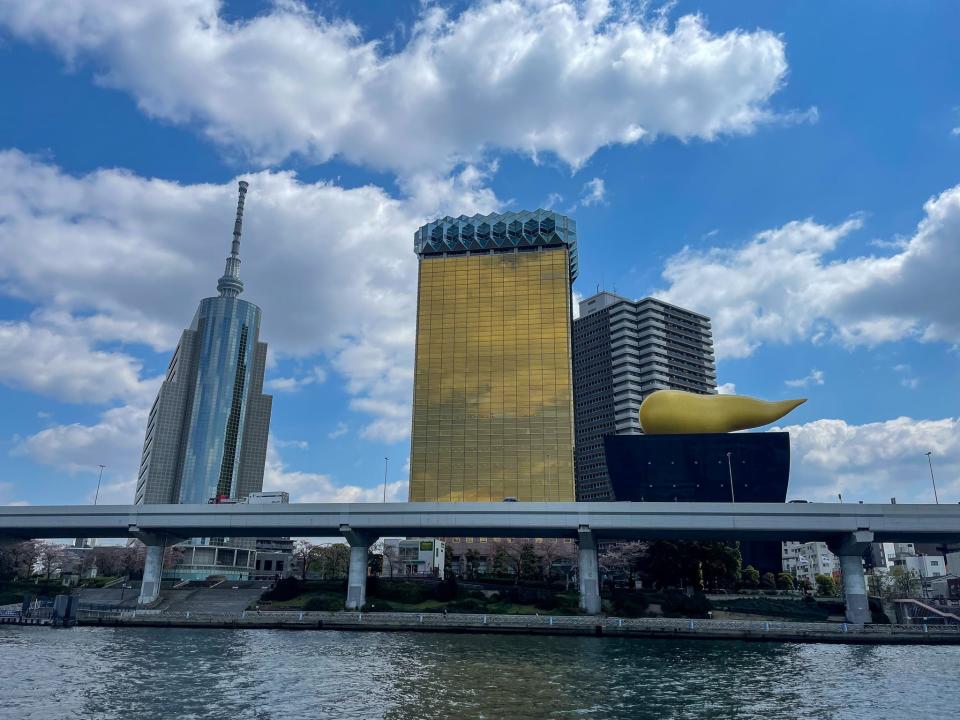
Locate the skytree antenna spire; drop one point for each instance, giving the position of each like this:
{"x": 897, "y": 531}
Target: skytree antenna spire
{"x": 230, "y": 285}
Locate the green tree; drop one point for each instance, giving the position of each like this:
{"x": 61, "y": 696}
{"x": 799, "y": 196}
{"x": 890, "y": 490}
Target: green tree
{"x": 690, "y": 564}
{"x": 906, "y": 583}
{"x": 472, "y": 558}
{"x": 785, "y": 581}
{"x": 751, "y": 577}
{"x": 768, "y": 581}
{"x": 501, "y": 563}
{"x": 826, "y": 587}
{"x": 529, "y": 567}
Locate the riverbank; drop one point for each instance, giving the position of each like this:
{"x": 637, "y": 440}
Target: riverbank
{"x": 543, "y": 625}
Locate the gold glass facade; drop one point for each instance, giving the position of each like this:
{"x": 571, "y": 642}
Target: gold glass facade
{"x": 493, "y": 389}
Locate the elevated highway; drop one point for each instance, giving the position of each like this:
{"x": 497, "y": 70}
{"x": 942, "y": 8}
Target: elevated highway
{"x": 848, "y": 528}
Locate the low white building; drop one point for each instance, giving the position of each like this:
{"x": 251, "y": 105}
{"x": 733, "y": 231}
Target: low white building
{"x": 925, "y": 566}
{"x": 413, "y": 557}
{"x": 807, "y": 560}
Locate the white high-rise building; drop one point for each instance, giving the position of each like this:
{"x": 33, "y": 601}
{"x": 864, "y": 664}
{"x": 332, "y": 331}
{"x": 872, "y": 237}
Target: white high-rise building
{"x": 623, "y": 350}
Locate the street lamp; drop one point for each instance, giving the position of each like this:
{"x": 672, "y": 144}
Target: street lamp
{"x": 733, "y": 499}
{"x": 386, "y": 461}
{"x": 930, "y": 462}
{"x": 99, "y": 479}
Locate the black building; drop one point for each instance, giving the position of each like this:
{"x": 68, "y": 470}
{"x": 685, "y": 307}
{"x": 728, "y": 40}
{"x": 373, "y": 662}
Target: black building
{"x": 721, "y": 467}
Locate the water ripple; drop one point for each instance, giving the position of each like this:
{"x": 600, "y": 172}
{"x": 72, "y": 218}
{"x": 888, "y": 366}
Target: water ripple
{"x": 133, "y": 673}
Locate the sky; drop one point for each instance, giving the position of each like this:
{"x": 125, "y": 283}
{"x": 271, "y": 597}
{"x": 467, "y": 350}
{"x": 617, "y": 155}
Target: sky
{"x": 789, "y": 169}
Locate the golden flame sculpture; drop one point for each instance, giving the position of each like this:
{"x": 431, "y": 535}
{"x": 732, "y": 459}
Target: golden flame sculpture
{"x": 671, "y": 412}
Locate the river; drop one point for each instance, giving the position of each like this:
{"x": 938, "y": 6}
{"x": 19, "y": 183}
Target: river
{"x": 147, "y": 673}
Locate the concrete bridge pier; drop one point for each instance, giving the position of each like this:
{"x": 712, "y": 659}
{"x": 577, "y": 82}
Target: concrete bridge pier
{"x": 152, "y": 567}
{"x": 850, "y": 550}
{"x": 588, "y": 572}
{"x": 357, "y": 578}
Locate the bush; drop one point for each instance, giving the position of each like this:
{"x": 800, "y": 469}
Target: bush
{"x": 402, "y": 592}
{"x": 285, "y": 589}
{"x": 467, "y": 605}
{"x": 677, "y": 604}
{"x": 631, "y": 604}
{"x": 804, "y": 610}
{"x": 315, "y": 604}
{"x": 447, "y": 590}
{"x": 546, "y": 603}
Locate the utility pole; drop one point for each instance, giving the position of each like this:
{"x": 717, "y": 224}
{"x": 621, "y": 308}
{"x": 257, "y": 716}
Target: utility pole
{"x": 386, "y": 461}
{"x": 930, "y": 462}
{"x": 733, "y": 499}
{"x": 99, "y": 479}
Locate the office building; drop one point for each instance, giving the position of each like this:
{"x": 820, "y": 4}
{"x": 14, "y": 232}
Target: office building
{"x": 623, "y": 350}
{"x": 206, "y": 437}
{"x": 806, "y": 560}
{"x": 207, "y": 429}
{"x": 493, "y": 391}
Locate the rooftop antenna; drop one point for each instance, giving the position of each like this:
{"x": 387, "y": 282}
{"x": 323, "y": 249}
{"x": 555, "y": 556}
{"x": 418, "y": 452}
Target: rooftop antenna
{"x": 230, "y": 285}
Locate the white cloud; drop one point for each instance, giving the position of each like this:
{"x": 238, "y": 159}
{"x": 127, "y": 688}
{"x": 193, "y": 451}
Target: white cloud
{"x": 815, "y": 377}
{"x": 551, "y": 201}
{"x": 875, "y": 461}
{"x": 521, "y": 75}
{"x": 575, "y": 303}
{"x": 907, "y": 378}
{"x": 6, "y": 492}
{"x": 43, "y": 360}
{"x": 114, "y": 441}
{"x": 316, "y": 487}
{"x": 293, "y": 384}
{"x": 338, "y": 431}
{"x": 955, "y": 132}
{"x": 298, "y": 444}
{"x": 131, "y": 251}
{"x": 727, "y": 389}
{"x": 594, "y": 193}
{"x": 782, "y": 286}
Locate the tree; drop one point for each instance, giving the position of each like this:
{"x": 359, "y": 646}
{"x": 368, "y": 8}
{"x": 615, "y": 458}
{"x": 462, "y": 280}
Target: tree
{"x": 529, "y": 562}
{"x": 304, "y": 553}
{"x": 472, "y": 558}
{"x": 50, "y": 558}
{"x": 826, "y": 587}
{"x": 768, "y": 581}
{"x": 500, "y": 562}
{"x": 751, "y": 577}
{"x": 519, "y": 558}
{"x": 390, "y": 557}
{"x": 19, "y": 560}
{"x": 906, "y": 583}
{"x": 690, "y": 564}
{"x": 785, "y": 581}
{"x": 332, "y": 561}
{"x": 119, "y": 560}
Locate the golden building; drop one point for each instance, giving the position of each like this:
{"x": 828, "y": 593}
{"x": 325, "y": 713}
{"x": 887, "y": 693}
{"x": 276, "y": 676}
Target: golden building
{"x": 493, "y": 389}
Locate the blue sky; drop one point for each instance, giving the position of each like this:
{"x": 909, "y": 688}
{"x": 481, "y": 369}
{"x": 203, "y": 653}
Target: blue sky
{"x": 788, "y": 169}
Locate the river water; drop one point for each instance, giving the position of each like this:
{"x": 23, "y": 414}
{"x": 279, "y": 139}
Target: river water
{"x": 146, "y": 673}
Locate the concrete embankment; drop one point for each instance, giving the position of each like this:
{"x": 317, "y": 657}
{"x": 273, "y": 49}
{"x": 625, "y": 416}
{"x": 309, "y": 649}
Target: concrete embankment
{"x": 544, "y": 625}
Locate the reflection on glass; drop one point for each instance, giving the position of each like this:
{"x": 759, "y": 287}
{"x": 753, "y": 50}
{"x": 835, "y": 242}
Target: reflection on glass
{"x": 493, "y": 400}
{"x": 228, "y": 329}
